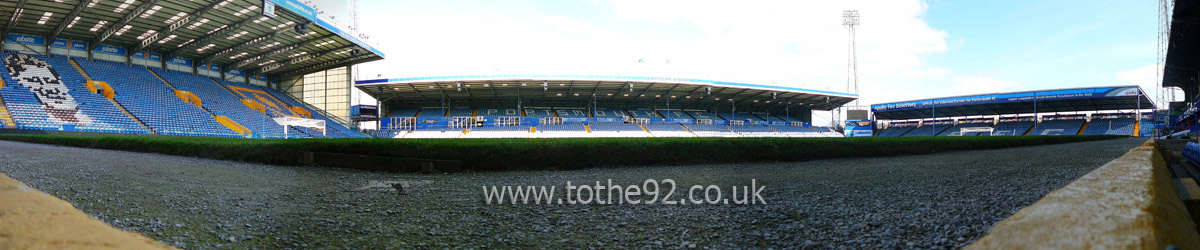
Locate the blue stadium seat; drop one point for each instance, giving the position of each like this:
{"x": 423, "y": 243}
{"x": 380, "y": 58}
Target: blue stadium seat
{"x": 895, "y": 131}
{"x": 572, "y": 112}
{"x": 29, "y": 112}
{"x": 1110, "y": 126}
{"x": 153, "y": 102}
{"x": 1011, "y": 128}
{"x": 956, "y": 130}
{"x": 1058, "y": 127}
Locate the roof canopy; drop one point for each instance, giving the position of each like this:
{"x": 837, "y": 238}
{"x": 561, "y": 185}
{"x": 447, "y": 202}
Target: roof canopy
{"x": 611, "y": 91}
{"x": 1182, "y": 68}
{"x": 231, "y": 34}
{"x": 1047, "y": 101}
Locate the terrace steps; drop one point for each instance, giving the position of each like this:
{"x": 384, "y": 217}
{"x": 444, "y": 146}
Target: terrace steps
{"x": 163, "y": 80}
{"x": 1083, "y": 128}
{"x": 130, "y": 115}
{"x": 1137, "y": 128}
{"x": 226, "y": 88}
{"x": 223, "y": 120}
{"x": 80, "y": 69}
{"x": 6, "y": 120}
{"x": 112, "y": 100}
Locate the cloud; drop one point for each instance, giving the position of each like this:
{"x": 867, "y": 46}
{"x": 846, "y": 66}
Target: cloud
{"x": 970, "y": 84}
{"x": 782, "y": 42}
{"x": 1148, "y": 78}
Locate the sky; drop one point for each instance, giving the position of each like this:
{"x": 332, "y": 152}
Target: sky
{"x": 907, "y": 49}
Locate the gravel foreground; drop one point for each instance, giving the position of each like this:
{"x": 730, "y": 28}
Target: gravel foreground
{"x": 937, "y": 201}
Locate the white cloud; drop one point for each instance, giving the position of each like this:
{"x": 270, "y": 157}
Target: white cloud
{"x": 783, "y": 42}
{"x": 1146, "y": 77}
{"x": 970, "y": 84}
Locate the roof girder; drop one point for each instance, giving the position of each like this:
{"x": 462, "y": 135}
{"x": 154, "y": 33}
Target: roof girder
{"x": 175, "y": 26}
{"x": 67, "y": 20}
{"x": 208, "y": 38}
{"x": 12, "y": 21}
{"x": 108, "y": 32}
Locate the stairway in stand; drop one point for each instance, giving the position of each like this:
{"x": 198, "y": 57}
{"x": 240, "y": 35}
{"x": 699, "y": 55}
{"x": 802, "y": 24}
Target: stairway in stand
{"x": 113, "y": 101}
{"x": 6, "y": 120}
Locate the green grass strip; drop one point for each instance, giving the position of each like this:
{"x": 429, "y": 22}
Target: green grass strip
{"x": 538, "y": 154}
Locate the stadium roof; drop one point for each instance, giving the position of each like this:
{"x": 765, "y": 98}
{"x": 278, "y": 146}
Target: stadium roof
{"x": 1047, "y": 101}
{"x": 233, "y": 34}
{"x": 613, "y": 91}
{"x": 1182, "y": 68}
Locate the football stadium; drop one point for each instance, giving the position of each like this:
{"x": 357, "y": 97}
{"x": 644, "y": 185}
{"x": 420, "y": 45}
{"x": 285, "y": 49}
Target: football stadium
{"x": 234, "y": 124}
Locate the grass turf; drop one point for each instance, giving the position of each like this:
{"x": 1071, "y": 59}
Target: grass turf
{"x": 536, "y": 154}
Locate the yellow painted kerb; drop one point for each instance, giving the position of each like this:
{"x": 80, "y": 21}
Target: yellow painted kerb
{"x": 1129, "y": 203}
{"x": 31, "y": 219}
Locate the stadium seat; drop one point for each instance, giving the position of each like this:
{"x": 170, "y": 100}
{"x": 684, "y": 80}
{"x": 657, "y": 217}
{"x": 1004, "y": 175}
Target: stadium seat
{"x": 154, "y": 102}
{"x": 756, "y": 131}
{"x": 617, "y": 129}
{"x": 572, "y": 112}
{"x": 609, "y": 113}
{"x": 1110, "y": 126}
{"x": 710, "y": 130}
{"x": 669, "y": 129}
{"x": 928, "y": 130}
{"x": 498, "y": 132}
{"x": 956, "y": 130}
{"x": 576, "y": 130}
{"x": 1011, "y": 128}
{"x": 1059, "y": 127}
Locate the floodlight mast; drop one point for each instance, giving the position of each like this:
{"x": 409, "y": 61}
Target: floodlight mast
{"x": 850, "y": 20}
{"x": 1165, "y": 95}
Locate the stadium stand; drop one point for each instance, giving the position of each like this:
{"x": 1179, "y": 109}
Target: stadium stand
{"x": 221, "y": 101}
{"x": 405, "y": 112}
{"x": 643, "y": 113}
{"x": 790, "y": 131}
{"x": 1011, "y": 128}
{"x": 673, "y": 114}
{"x": 609, "y": 113}
{"x": 432, "y": 112}
{"x": 709, "y": 130}
{"x": 755, "y": 131}
{"x": 461, "y": 112}
{"x": 698, "y": 115}
{"x": 1191, "y": 151}
{"x": 571, "y": 112}
{"x": 336, "y": 130}
{"x": 786, "y": 118}
{"x": 1062, "y": 126}
{"x": 825, "y": 131}
{"x": 75, "y": 106}
{"x": 433, "y": 133}
{"x": 498, "y": 132}
{"x": 539, "y": 112}
{"x": 1110, "y": 126}
{"x": 154, "y": 102}
{"x": 668, "y": 130}
{"x": 498, "y": 112}
{"x": 575, "y": 130}
{"x": 388, "y": 133}
{"x": 956, "y": 130}
{"x": 896, "y": 130}
{"x": 1016, "y": 112}
{"x": 615, "y": 129}
{"x": 928, "y": 129}
{"x": 743, "y": 116}
{"x": 159, "y": 83}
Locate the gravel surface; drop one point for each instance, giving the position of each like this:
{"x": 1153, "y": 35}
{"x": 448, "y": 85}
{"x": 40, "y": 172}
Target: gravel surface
{"x": 938, "y": 201}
